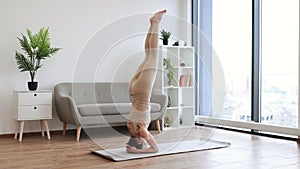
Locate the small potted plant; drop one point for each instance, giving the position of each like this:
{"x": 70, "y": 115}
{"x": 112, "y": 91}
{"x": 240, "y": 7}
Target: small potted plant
{"x": 165, "y": 35}
{"x": 36, "y": 47}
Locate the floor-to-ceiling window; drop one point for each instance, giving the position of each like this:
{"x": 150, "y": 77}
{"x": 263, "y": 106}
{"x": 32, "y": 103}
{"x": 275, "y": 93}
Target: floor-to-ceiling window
{"x": 279, "y": 53}
{"x": 260, "y": 61}
{"x": 231, "y": 40}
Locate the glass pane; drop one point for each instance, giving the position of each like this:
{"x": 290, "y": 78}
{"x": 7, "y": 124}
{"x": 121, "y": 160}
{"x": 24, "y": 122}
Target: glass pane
{"x": 231, "y": 39}
{"x": 280, "y": 35}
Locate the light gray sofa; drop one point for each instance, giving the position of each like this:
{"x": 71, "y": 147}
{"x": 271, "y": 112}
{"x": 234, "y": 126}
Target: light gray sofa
{"x": 85, "y": 104}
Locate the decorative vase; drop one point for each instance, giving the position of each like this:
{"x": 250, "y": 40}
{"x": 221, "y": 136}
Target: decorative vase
{"x": 183, "y": 63}
{"x": 32, "y": 86}
{"x": 169, "y": 102}
{"x": 165, "y": 41}
{"x": 176, "y": 43}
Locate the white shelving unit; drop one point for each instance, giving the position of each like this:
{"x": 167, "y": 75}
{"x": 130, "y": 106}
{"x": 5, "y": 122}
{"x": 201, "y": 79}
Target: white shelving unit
{"x": 181, "y": 90}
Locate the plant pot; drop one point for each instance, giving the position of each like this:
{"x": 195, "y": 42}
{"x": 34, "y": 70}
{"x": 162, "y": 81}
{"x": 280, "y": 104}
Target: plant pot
{"x": 32, "y": 86}
{"x": 165, "y": 41}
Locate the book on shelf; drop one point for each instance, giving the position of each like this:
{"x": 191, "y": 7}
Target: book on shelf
{"x": 185, "y": 80}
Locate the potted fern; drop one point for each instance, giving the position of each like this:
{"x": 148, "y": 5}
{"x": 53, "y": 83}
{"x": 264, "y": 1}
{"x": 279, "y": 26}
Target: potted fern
{"x": 36, "y": 47}
{"x": 169, "y": 70}
{"x": 165, "y": 35}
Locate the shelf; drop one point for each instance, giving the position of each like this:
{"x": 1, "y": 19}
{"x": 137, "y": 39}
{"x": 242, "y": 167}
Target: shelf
{"x": 186, "y": 87}
{"x": 177, "y": 87}
{"x": 172, "y": 108}
{"x": 181, "y": 98}
{"x": 183, "y": 67}
{"x": 172, "y": 87}
{"x": 187, "y": 107}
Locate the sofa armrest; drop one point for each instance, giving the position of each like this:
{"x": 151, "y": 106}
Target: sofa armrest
{"x": 161, "y": 99}
{"x": 66, "y": 107}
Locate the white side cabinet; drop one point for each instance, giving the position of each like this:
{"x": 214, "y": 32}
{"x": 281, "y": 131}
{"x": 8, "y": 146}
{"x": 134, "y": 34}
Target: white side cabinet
{"x": 181, "y": 88}
{"x": 32, "y": 105}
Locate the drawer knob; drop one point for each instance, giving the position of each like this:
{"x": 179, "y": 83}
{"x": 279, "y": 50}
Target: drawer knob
{"x": 34, "y": 94}
{"x": 34, "y": 107}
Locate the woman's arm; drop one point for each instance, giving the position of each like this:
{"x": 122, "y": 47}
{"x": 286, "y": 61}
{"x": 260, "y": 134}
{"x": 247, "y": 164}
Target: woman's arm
{"x": 144, "y": 133}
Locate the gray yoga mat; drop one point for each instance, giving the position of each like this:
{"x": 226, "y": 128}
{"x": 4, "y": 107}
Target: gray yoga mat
{"x": 120, "y": 154}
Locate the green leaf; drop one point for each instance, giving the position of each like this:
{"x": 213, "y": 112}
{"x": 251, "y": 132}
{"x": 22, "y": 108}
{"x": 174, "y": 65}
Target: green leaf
{"x": 24, "y": 64}
{"x": 25, "y": 45}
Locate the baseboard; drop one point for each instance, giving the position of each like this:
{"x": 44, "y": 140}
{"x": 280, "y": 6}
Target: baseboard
{"x": 52, "y": 132}
{"x": 69, "y": 131}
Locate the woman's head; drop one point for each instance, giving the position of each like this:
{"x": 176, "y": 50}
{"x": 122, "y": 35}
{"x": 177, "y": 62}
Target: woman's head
{"x": 134, "y": 143}
{"x": 132, "y": 129}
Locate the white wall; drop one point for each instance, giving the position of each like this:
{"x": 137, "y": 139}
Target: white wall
{"x": 101, "y": 41}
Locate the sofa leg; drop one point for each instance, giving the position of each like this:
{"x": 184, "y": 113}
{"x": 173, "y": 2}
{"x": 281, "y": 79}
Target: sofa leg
{"x": 158, "y": 126}
{"x": 64, "y": 128}
{"x": 78, "y": 133}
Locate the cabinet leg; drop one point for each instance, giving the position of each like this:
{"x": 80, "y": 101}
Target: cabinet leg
{"x": 42, "y": 128}
{"x": 47, "y": 129}
{"x": 21, "y": 130}
{"x": 17, "y": 129}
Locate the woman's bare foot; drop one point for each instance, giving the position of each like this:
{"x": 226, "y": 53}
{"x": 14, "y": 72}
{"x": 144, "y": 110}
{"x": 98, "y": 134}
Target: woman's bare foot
{"x": 157, "y": 16}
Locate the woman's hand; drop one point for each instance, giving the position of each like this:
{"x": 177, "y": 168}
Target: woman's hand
{"x": 142, "y": 142}
{"x": 131, "y": 149}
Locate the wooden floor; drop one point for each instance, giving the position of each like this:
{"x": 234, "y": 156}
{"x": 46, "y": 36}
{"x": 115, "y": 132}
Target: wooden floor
{"x": 246, "y": 151}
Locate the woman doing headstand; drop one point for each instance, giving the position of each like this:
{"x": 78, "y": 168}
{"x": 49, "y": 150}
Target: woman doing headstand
{"x": 140, "y": 88}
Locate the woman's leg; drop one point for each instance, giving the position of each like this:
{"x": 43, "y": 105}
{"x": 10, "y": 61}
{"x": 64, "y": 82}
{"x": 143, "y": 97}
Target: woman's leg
{"x": 143, "y": 81}
{"x": 147, "y": 47}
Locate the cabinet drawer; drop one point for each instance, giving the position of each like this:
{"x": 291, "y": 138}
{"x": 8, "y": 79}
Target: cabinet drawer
{"x": 35, "y": 112}
{"x": 34, "y": 98}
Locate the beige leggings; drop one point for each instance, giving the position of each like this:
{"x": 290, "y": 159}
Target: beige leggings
{"x": 141, "y": 84}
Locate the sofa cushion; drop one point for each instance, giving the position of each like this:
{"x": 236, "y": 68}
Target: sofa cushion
{"x": 110, "y": 109}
